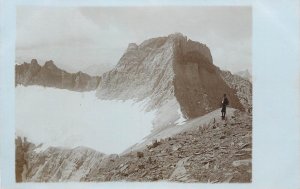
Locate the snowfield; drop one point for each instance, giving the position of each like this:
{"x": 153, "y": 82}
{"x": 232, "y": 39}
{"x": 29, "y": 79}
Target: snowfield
{"x": 57, "y": 117}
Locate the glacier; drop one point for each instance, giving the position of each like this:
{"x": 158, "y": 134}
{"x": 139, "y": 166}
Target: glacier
{"x": 63, "y": 118}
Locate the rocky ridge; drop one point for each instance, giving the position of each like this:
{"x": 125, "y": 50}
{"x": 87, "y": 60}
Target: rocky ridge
{"x": 49, "y": 75}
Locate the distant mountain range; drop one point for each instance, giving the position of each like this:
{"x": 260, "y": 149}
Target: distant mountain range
{"x": 49, "y": 75}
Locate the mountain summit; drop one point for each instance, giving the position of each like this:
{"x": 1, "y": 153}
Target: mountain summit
{"x": 174, "y": 74}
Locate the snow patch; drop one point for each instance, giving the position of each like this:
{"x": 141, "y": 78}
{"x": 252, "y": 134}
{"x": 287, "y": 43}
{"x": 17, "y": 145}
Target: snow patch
{"x": 62, "y": 118}
{"x": 41, "y": 148}
{"x": 181, "y": 120}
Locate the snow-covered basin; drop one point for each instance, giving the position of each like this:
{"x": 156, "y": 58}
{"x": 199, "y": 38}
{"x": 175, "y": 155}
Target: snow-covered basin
{"x": 58, "y": 117}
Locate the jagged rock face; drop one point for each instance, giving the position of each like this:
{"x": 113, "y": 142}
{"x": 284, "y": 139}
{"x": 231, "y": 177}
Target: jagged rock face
{"x": 54, "y": 164}
{"x": 50, "y": 75}
{"x": 167, "y": 68}
{"x": 143, "y": 71}
{"x": 25, "y": 72}
{"x": 243, "y": 88}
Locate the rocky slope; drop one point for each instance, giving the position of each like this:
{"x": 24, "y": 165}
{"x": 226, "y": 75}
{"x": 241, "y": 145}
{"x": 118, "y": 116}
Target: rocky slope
{"x": 173, "y": 129}
{"x": 242, "y": 86}
{"x": 49, "y": 75}
{"x": 219, "y": 151}
{"x": 168, "y": 71}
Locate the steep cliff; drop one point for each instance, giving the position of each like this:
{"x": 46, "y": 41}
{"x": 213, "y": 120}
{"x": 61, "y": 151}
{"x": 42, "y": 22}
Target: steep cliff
{"x": 168, "y": 71}
{"x": 49, "y": 75}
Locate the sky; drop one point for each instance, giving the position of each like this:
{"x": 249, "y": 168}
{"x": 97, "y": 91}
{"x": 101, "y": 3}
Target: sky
{"x": 94, "y": 38}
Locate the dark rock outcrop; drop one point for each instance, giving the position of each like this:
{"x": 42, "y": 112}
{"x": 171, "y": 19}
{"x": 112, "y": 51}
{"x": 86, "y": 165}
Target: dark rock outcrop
{"x": 50, "y": 75}
{"x": 198, "y": 84}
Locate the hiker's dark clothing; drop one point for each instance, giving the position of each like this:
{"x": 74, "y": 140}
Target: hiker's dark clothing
{"x": 225, "y": 102}
{"x": 223, "y": 109}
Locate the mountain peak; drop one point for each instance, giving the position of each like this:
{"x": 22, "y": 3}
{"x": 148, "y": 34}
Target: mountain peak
{"x": 34, "y": 62}
{"x": 168, "y": 70}
{"x": 177, "y": 35}
{"x": 132, "y": 46}
{"x": 50, "y": 65}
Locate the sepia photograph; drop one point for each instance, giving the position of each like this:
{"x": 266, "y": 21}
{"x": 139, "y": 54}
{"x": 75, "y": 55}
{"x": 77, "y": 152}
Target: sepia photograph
{"x": 133, "y": 94}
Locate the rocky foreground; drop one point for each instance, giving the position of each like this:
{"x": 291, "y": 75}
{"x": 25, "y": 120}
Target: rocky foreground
{"x": 218, "y": 152}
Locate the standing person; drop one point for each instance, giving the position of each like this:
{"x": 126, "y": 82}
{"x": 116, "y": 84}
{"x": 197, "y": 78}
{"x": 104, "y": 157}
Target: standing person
{"x": 225, "y": 102}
